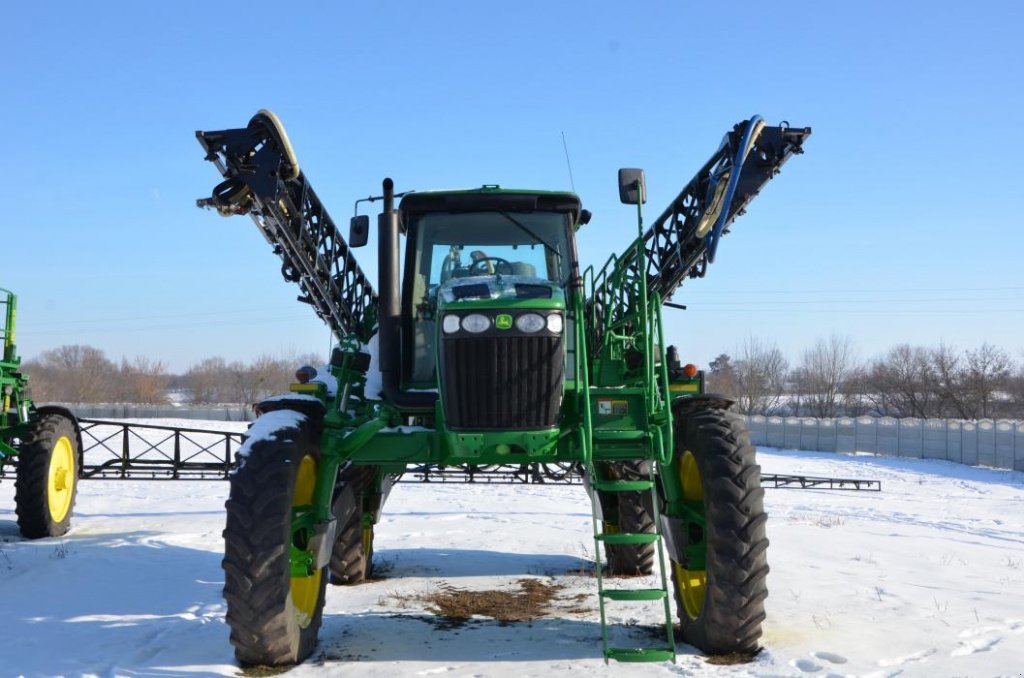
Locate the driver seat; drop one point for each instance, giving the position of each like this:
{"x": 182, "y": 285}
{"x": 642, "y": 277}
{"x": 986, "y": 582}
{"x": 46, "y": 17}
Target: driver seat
{"x": 524, "y": 269}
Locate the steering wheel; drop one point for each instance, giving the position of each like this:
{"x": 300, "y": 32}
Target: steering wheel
{"x": 490, "y": 266}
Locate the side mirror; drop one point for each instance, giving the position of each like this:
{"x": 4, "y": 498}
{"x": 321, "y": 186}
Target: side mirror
{"x": 584, "y": 218}
{"x": 358, "y": 230}
{"x": 632, "y": 188}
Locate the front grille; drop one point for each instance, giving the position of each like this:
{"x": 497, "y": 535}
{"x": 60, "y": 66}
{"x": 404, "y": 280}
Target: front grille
{"x": 502, "y": 382}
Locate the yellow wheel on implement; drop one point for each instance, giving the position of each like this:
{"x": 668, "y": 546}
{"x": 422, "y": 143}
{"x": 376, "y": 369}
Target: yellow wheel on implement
{"x": 60, "y": 482}
{"x": 47, "y": 479}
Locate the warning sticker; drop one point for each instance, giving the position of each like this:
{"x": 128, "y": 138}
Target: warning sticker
{"x": 612, "y": 407}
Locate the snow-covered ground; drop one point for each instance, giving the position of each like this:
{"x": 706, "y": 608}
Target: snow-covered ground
{"x": 925, "y": 578}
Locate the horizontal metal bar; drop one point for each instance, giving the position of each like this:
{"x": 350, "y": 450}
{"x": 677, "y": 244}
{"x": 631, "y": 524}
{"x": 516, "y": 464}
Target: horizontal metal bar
{"x": 819, "y": 483}
{"x": 126, "y": 449}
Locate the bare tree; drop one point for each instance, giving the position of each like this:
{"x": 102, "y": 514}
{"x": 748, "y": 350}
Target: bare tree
{"x": 266, "y": 376}
{"x": 721, "y": 377}
{"x": 825, "y": 371}
{"x": 214, "y": 380}
{"x": 760, "y": 377}
{"x": 83, "y": 374}
{"x": 902, "y": 384}
{"x": 72, "y": 374}
{"x": 856, "y": 393}
{"x": 206, "y": 381}
{"x": 142, "y": 381}
{"x": 1015, "y": 390}
{"x": 986, "y": 370}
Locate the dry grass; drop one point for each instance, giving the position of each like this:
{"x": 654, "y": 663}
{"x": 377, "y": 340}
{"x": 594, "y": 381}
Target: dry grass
{"x": 731, "y": 658}
{"x": 534, "y": 599}
{"x": 263, "y": 671}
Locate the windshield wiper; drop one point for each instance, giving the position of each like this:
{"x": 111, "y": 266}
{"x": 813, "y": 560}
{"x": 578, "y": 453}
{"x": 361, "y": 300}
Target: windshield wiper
{"x": 530, "y": 233}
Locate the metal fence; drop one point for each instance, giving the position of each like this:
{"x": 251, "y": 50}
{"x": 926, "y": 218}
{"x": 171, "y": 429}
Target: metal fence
{"x": 986, "y": 442}
{"x": 134, "y": 411}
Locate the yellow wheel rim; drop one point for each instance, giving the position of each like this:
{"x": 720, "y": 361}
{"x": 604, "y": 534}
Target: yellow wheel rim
{"x": 367, "y": 540}
{"x": 60, "y": 480}
{"x": 691, "y": 583}
{"x": 305, "y": 590}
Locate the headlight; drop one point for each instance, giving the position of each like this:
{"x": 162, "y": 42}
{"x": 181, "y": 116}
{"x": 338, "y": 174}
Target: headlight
{"x": 555, "y": 323}
{"x": 530, "y": 322}
{"x": 450, "y": 323}
{"x": 476, "y": 323}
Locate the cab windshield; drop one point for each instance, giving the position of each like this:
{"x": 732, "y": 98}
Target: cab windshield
{"x": 450, "y": 247}
{"x": 463, "y": 245}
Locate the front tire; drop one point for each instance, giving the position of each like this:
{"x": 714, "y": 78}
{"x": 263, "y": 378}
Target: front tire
{"x": 47, "y": 478}
{"x": 720, "y": 580}
{"x": 274, "y": 614}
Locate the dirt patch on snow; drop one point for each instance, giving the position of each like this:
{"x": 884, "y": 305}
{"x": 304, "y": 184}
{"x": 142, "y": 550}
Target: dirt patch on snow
{"x": 533, "y": 599}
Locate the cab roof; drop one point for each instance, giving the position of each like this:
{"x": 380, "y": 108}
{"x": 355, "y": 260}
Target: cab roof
{"x": 489, "y": 198}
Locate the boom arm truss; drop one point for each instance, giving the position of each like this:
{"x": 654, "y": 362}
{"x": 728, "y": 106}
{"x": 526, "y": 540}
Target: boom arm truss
{"x": 683, "y": 240}
{"x": 262, "y": 179}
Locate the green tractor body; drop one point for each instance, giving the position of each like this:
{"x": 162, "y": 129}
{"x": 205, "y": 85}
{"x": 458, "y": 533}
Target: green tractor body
{"x": 490, "y": 344}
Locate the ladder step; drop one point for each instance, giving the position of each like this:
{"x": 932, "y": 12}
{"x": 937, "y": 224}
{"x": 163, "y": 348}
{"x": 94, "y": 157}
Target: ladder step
{"x": 634, "y": 594}
{"x": 658, "y": 652}
{"x": 639, "y": 654}
{"x": 627, "y": 538}
{"x": 622, "y": 485}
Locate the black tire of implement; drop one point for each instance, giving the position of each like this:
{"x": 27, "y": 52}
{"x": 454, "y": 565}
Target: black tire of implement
{"x": 630, "y": 560}
{"x": 31, "y": 498}
{"x": 257, "y": 578}
{"x": 736, "y": 561}
{"x": 349, "y": 565}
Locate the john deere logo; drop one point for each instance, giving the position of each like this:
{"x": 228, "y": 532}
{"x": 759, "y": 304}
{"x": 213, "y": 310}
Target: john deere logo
{"x": 503, "y": 321}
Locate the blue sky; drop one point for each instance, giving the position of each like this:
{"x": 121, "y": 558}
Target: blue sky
{"x": 900, "y": 223}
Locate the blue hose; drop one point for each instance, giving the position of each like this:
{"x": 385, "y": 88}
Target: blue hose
{"x": 734, "y": 178}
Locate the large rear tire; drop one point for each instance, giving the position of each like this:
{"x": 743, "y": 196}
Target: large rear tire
{"x": 634, "y": 515}
{"x": 274, "y": 616}
{"x": 47, "y": 478}
{"x": 720, "y": 584}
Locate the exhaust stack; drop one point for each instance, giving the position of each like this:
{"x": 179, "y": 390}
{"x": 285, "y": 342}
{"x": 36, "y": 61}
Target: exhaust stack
{"x": 389, "y": 309}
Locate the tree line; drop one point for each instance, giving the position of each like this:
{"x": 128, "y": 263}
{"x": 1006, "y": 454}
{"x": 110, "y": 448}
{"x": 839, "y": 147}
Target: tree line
{"x": 907, "y": 381}
{"x": 83, "y": 374}
{"x": 828, "y": 380}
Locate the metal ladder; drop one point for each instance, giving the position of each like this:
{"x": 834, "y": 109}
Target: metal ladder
{"x": 630, "y": 654}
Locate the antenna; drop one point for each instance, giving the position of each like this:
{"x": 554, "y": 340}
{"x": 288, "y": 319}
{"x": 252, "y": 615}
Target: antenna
{"x": 567, "y": 163}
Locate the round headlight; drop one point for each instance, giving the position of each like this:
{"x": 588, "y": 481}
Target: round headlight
{"x": 450, "y": 323}
{"x": 476, "y": 323}
{"x": 555, "y": 323}
{"x": 530, "y": 322}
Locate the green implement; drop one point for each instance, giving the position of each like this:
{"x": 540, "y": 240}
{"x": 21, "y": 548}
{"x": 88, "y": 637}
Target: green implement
{"x": 491, "y": 345}
{"x": 43, "y": 443}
